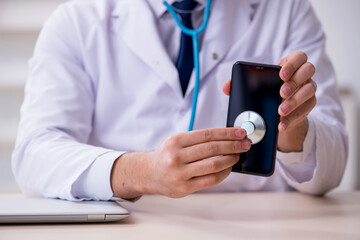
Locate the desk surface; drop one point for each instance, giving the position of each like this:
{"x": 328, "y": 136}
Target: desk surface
{"x": 217, "y": 216}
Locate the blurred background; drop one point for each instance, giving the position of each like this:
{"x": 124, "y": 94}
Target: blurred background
{"x": 21, "y": 21}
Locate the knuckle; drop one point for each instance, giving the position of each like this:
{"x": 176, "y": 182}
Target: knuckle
{"x": 211, "y": 181}
{"x": 173, "y": 159}
{"x": 225, "y": 133}
{"x": 304, "y": 115}
{"x": 302, "y": 55}
{"x": 292, "y": 103}
{"x": 314, "y": 102}
{"x": 310, "y": 89}
{"x": 226, "y": 173}
{"x": 314, "y": 86}
{"x": 212, "y": 148}
{"x": 236, "y": 146}
{"x": 291, "y": 67}
{"x": 235, "y": 159}
{"x": 285, "y": 120}
{"x": 228, "y": 133}
{"x": 212, "y": 166}
{"x": 207, "y": 135}
{"x": 230, "y": 160}
{"x": 297, "y": 114}
{"x": 311, "y": 68}
{"x": 172, "y": 141}
{"x": 293, "y": 85}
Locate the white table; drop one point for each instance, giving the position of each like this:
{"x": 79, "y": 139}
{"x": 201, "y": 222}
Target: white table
{"x": 217, "y": 216}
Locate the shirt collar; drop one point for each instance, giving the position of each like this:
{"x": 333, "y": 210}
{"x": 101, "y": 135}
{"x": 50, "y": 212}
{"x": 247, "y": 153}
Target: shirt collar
{"x": 159, "y": 8}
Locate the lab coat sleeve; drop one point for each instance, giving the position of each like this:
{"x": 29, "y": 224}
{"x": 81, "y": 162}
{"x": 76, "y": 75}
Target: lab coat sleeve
{"x": 319, "y": 168}
{"x": 52, "y": 157}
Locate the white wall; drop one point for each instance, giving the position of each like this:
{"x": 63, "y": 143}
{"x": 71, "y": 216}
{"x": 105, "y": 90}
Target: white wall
{"x": 341, "y": 22}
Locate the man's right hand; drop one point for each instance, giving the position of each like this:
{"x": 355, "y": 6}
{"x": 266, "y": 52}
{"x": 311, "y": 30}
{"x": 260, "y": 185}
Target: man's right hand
{"x": 185, "y": 163}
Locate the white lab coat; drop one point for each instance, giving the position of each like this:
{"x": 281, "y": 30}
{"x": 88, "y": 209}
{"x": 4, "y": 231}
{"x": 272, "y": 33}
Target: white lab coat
{"x": 101, "y": 83}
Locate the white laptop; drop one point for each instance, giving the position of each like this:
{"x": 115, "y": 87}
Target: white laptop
{"x": 41, "y": 210}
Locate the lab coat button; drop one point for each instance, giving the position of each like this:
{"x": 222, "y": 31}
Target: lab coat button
{"x": 215, "y": 56}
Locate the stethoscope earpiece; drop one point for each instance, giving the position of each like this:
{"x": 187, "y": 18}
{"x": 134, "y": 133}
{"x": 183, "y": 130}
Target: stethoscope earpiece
{"x": 254, "y": 125}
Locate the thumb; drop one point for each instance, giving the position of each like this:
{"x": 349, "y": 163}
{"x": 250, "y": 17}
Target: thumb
{"x": 226, "y": 87}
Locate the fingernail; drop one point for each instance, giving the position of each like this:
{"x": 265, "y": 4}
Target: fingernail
{"x": 240, "y": 133}
{"x": 246, "y": 144}
{"x": 286, "y": 91}
{"x": 286, "y": 74}
{"x": 284, "y": 108}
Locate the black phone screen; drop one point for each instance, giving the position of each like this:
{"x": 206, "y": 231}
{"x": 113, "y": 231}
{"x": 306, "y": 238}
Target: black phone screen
{"x": 256, "y": 87}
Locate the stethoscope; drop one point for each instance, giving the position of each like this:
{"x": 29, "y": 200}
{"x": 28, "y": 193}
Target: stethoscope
{"x": 194, "y": 33}
{"x": 252, "y": 122}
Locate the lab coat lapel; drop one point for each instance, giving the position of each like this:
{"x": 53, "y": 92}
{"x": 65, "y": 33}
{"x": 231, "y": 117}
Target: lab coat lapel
{"x": 220, "y": 36}
{"x": 134, "y": 22}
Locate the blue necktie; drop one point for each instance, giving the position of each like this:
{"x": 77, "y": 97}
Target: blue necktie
{"x": 185, "y": 61}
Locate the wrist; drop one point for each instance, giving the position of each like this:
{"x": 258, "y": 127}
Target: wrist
{"x": 130, "y": 175}
{"x": 144, "y": 171}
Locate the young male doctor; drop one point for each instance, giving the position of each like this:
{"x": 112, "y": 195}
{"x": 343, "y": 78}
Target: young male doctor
{"x": 107, "y": 103}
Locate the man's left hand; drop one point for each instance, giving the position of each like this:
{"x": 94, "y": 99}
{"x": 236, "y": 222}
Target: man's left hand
{"x": 298, "y": 93}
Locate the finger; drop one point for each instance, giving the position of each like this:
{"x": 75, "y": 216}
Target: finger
{"x": 303, "y": 74}
{"x": 306, "y": 92}
{"x": 210, "y": 165}
{"x": 213, "y": 149}
{"x": 282, "y": 61}
{"x": 227, "y": 87}
{"x": 206, "y": 135}
{"x": 202, "y": 182}
{"x": 291, "y": 64}
{"x": 297, "y": 116}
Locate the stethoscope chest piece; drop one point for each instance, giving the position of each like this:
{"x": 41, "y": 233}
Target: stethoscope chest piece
{"x": 254, "y": 125}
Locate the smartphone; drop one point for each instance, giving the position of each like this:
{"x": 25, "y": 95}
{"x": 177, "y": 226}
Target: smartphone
{"x": 253, "y": 105}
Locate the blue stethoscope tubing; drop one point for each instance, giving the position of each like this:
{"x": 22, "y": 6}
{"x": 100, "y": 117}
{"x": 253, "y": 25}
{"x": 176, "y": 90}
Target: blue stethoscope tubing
{"x": 194, "y": 33}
